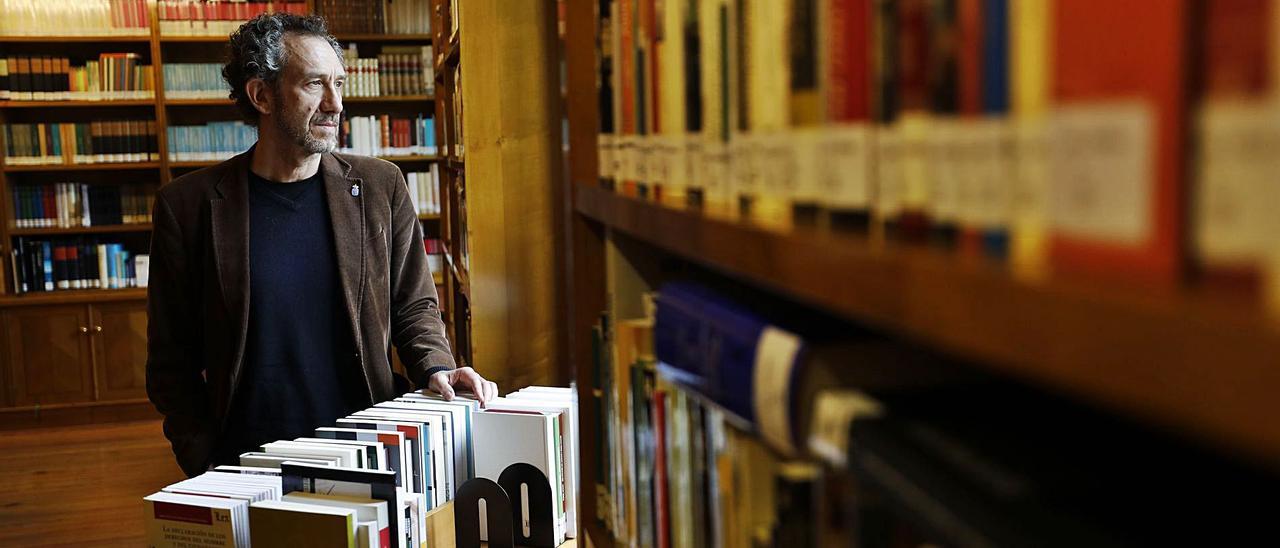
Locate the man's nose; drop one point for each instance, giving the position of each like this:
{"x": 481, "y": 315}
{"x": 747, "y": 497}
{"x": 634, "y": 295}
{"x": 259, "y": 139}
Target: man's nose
{"x": 332, "y": 101}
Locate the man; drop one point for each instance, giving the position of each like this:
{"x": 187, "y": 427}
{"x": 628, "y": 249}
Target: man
{"x": 281, "y": 277}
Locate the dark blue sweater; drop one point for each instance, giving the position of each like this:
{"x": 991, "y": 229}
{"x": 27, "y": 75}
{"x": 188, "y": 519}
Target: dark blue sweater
{"x": 299, "y": 367}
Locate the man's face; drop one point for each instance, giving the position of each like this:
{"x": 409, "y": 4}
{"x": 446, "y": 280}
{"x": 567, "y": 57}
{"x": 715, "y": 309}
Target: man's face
{"x": 309, "y": 94}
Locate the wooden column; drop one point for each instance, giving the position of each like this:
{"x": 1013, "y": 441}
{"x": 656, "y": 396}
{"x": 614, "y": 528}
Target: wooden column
{"x": 511, "y": 130}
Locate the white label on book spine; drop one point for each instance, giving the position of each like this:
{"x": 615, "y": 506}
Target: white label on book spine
{"x": 940, "y": 154}
{"x": 888, "y": 172}
{"x": 775, "y": 362}
{"x": 1103, "y": 172}
{"x": 807, "y": 161}
{"x": 1237, "y": 197}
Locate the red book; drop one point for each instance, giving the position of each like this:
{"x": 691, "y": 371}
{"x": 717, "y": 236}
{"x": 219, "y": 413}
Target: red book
{"x": 662, "y": 508}
{"x": 970, "y": 239}
{"x": 849, "y": 54}
{"x": 1119, "y": 84}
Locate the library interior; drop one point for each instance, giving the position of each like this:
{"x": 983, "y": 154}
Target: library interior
{"x": 655, "y": 274}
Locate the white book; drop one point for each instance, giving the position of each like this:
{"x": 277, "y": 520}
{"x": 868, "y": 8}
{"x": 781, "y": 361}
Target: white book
{"x": 441, "y": 469}
{"x": 459, "y": 416}
{"x": 419, "y": 453}
{"x": 554, "y": 402}
{"x": 174, "y": 520}
{"x": 396, "y": 448}
{"x": 506, "y": 438}
{"x": 267, "y": 460}
{"x": 373, "y": 452}
{"x": 352, "y": 457}
{"x": 248, "y": 470}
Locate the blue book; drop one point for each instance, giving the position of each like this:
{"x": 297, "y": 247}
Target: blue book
{"x": 46, "y": 252}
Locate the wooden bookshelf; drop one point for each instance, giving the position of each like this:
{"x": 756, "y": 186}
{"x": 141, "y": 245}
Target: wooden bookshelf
{"x": 75, "y": 104}
{"x": 1141, "y": 352}
{"x": 71, "y": 231}
{"x": 125, "y": 309}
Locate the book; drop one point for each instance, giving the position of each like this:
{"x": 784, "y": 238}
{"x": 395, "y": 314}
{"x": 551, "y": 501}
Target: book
{"x": 182, "y": 520}
{"x": 367, "y": 510}
{"x": 76, "y": 18}
{"x": 283, "y": 523}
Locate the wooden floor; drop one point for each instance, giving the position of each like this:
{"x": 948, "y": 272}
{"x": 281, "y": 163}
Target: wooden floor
{"x": 81, "y": 485}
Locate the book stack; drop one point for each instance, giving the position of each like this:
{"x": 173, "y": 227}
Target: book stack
{"x": 386, "y": 136}
{"x": 397, "y": 70}
{"x": 45, "y": 78}
{"x": 75, "y": 263}
{"x": 213, "y": 141}
{"x": 424, "y": 190}
{"x": 74, "y": 17}
{"x": 935, "y": 123}
{"x": 195, "y": 81}
{"x": 376, "y": 16}
{"x": 81, "y": 143}
{"x": 216, "y": 17}
{"x": 68, "y": 205}
{"x": 371, "y": 478}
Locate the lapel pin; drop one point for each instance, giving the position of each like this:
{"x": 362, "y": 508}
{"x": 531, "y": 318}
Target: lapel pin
{"x": 355, "y": 190}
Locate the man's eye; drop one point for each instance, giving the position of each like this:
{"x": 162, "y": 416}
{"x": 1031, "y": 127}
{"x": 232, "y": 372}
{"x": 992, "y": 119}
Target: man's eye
{"x": 314, "y": 83}
{"x": 339, "y": 83}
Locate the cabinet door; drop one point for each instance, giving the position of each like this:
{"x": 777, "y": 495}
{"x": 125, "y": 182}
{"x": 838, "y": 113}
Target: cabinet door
{"x": 120, "y": 349}
{"x": 48, "y": 357}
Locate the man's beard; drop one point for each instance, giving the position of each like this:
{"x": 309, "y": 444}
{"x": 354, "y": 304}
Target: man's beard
{"x": 300, "y": 131}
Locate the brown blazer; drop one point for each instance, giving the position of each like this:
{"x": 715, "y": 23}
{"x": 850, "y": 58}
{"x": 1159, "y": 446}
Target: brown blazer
{"x": 198, "y": 298}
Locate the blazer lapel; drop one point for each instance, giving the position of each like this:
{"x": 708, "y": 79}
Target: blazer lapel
{"x": 229, "y": 209}
{"x": 346, "y": 211}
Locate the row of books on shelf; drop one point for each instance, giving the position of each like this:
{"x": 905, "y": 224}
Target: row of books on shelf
{"x": 69, "y": 205}
{"x": 424, "y": 190}
{"x": 216, "y": 17}
{"x": 81, "y": 143}
{"x": 397, "y": 70}
{"x": 937, "y": 122}
{"x": 724, "y": 424}
{"x": 112, "y": 76}
{"x": 74, "y": 17}
{"x": 435, "y": 254}
{"x": 211, "y": 141}
{"x": 387, "y": 466}
{"x": 58, "y": 264}
{"x": 376, "y": 16}
{"x": 384, "y": 135}
{"x": 195, "y": 81}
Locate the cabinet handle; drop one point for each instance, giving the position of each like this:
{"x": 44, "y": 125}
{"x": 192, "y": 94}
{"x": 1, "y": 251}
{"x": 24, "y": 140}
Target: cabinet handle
{"x": 97, "y": 329}
{"x": 84, "y": 329}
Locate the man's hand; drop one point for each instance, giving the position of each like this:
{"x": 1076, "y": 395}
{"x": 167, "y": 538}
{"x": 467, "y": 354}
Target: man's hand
{"x": 444, "y": 381}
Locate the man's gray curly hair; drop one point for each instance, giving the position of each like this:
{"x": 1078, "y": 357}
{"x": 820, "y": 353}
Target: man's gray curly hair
{"x": 257, "y": 51}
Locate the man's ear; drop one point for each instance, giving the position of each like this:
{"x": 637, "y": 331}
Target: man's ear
{"x": 259, "y": 93}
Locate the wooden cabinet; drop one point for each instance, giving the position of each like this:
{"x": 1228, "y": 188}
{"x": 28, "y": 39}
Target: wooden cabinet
{"x": 49, "y": 356}
{"x": 120, "y": 350}
{"x": 74, "y": 353}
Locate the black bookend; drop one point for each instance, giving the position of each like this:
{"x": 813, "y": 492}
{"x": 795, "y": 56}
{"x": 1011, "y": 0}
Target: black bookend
{"x": 466, "y": 514}
{"x": 542, "y": 527}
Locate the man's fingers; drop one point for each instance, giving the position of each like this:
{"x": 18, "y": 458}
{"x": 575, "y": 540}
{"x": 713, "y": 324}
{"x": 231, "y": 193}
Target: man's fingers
{"x": 440, "y": 382}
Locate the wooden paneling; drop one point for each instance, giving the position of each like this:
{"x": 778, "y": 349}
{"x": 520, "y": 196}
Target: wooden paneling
{"x": 510, "y": 89}
{"x": 119, "y": 333}
{"x": 48, "y": 358}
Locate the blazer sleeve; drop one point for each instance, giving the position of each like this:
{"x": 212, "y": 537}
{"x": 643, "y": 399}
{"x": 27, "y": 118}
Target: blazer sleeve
{"x": 416, "y": 328}
{"x": 175, "y": 381}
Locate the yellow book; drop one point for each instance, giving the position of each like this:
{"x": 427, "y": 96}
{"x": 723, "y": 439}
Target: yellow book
{"x": 1030, "y": 67}
{"x": 281, "y": 523}
{"x": 671, "y": 101}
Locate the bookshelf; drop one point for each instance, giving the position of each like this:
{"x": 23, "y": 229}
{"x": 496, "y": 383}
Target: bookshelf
{"x": 1175, "y": 354}
{"x": 110, "y": 373}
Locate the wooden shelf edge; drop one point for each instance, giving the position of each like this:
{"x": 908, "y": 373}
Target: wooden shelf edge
{"x": 56, "y": 39}
{"x": 72, "y": 414}
{"x": 1183, "y": 360}
{"x": 81, "y": 167}
{"x": 107, "y": 229}
{"x": 79, "y": 103}
{"x": 73, "y": 296}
